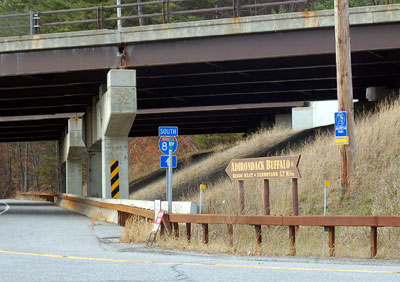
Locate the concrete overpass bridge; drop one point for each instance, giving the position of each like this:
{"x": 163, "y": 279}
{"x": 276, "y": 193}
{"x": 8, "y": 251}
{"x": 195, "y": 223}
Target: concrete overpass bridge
{"x": 222, "y": 75}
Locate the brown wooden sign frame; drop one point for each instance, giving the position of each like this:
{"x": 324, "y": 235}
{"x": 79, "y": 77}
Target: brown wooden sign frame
{"x": 266, "y": 168}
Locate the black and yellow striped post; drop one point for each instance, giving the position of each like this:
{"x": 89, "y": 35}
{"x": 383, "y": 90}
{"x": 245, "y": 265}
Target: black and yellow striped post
{"x": 114, "y": 179}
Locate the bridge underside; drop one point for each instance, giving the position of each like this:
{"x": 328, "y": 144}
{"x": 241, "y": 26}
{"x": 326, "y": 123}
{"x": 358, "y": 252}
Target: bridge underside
{"x": 232, "y": 94}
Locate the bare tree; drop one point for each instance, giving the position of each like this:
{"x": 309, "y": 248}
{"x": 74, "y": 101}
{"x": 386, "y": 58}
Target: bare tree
{"x": 34, "y": 166}
{"x": 21, "y": 167}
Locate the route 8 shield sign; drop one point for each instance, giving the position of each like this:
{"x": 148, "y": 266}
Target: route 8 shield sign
{"x": 163, "y": 144}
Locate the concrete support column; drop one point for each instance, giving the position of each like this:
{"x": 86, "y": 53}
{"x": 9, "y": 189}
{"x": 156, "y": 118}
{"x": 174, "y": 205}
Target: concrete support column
{"x": 118, "y": 108}
{"x": 71, "y": 152}
{"x": 115, "y": 148}
{"x": 379, "y": 93}
{"x": 94, "y": 174}
{"x": 74, "y": 176}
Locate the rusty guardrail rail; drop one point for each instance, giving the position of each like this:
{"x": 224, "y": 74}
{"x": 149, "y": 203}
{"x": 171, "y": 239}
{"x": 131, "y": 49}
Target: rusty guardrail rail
{"x": 328, "y": 222}
{"x": 161, "y": 11}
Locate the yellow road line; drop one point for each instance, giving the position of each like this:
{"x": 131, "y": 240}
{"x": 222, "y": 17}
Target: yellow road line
{"x": 202, "y": 264}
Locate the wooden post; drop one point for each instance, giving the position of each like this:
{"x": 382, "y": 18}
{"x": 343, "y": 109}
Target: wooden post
{"x": 166, "y": 224}
{"x": 374, "y": 241}
{"x": 176, "y": 229}
{"x": 295, "y": 196}
{"x": 292, "y": 240}
{"x": 345, "y": 88}
{"x": 205, "y": 233}
{"x": 267, "y": 209}
{"x": 122, "y": 217}
{"x": 332, "y": 250}
{"x": 241, "y": 197}
{"x": 229, "y": 236}
{"x": 188, "y": 231}
{"x": 162, "y": 230}
{"x": 258, "y": 235}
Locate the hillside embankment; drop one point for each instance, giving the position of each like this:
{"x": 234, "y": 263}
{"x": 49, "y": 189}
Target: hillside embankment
{"x": 375, "y": 191}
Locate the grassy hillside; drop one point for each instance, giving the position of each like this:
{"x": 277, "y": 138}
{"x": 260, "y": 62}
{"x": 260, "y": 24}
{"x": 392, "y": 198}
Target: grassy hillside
{"x": 377, "y": 182}
{"x": 376, "y": 191}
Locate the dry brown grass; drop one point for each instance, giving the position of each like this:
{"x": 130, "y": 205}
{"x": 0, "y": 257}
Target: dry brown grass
{"x": 96, "y": 217}
{"x": 377, "y": 192}
{"x": 137, "y": 230}
{"x": 19, "y": 196}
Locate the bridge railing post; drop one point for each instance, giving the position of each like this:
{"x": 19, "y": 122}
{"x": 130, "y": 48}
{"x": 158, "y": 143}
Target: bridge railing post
{"x": 236, "y": 8}
{"x": 31, "y": 22}
{"x": 100, "y": 17}
{"x": 36, "y": 22}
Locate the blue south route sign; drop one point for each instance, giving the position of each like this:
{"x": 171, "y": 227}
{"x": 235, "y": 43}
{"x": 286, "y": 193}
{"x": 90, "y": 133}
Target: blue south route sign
{"x": 340, "y": 124}
{"x": 168, "y": 131}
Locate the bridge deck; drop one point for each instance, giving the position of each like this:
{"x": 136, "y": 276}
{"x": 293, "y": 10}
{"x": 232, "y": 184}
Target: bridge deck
{"x": 241, "y": 61}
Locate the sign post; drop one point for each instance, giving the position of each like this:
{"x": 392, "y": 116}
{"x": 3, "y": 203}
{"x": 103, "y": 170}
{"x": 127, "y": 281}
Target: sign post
{"x": 169, "y": 179}
{"x": 202, "y": 187}
{"x": 265, "y": 168}
{"x": 168, "y": 144}
{"x": 327, "y": 184}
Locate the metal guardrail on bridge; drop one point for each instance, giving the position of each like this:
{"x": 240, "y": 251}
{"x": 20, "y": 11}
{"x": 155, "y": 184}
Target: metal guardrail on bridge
{"x": 151, "y": 12}
{"x": 172, "y": 220}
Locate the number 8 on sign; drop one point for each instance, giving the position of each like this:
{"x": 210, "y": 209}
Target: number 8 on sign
{"x": 164, "y": 146}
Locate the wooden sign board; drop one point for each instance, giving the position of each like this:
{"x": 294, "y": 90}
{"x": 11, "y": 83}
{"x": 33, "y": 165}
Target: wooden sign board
{"x": 264, "y": 168}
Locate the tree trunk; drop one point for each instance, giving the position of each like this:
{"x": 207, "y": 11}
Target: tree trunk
{"x": 26, "y": 168}
{"x": 21, "y": 168}
{"x": 34, "y": 164}
{"x": 10, "y": 172}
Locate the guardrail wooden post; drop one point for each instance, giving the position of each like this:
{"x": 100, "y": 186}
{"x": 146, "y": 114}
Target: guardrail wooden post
{"x": 176, "y": 229}
{"x": 205, "y": 233}
{"x": 292, "y": 240}
{"x": 229, "y": 235}
{"x": 188, "y": 231}
{"x": 166, "y": 224}
{"x": 258, "y": 235}
{"x": 332, "y": 251}
{"x": 374, "y": 241}
{"x": 122, "y": 216}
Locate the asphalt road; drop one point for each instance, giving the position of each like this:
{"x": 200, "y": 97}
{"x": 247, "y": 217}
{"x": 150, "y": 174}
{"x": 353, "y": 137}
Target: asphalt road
{"x": 41, "y": 242}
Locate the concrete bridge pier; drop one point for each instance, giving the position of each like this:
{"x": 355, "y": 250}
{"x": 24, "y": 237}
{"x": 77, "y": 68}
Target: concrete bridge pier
{"x": 118, "y": 111}
{"x": 92, "y": 138}
{"x": 94, "y": 179}
{"x": 72, "y": 148}
{"x": 108, "y": 123}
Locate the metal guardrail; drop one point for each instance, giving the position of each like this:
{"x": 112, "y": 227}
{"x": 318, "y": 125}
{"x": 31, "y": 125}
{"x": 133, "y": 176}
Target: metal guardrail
{"x": 162, "y": 11}
{"x": 172, "y": 220}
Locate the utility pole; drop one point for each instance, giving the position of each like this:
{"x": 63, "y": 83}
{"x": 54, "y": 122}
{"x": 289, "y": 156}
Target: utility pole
{"x": 345, "y": 89}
